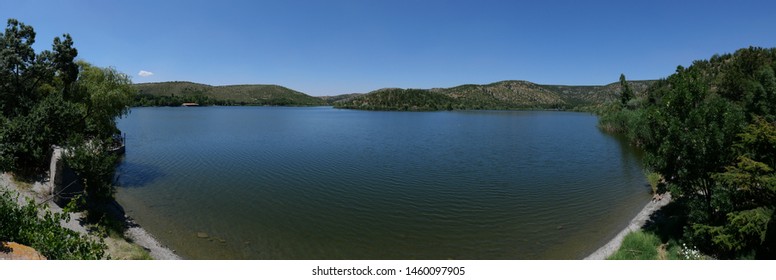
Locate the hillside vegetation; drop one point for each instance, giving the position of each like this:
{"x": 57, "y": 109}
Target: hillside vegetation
{"x": 176, "y": 93}
{"x": 502, "y": 95}
{"x": 496, "y": 96}
{"x": 400, "y": 99}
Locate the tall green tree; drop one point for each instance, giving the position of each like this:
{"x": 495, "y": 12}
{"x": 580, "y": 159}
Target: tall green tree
{"x": 33, "y": 109}
{"x": 747, "y": 197}
{"x": 626, "y": 93}
{"x": 106, "y": 94}
{"x": 19, "y": 68}
{"x": 27, "y": 77}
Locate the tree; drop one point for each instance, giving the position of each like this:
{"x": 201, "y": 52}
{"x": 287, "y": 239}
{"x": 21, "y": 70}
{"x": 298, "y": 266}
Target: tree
{"x": 33, "y": 107}
{"x": 626, "y": 93}
{"x": 747, "y": 197}
{"x": 18, "y": 68}
{"x": 50, "y": 99}
{"x": 106, "y": 94}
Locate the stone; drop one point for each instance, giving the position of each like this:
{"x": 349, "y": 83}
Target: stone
{"x": 16, "y": 251}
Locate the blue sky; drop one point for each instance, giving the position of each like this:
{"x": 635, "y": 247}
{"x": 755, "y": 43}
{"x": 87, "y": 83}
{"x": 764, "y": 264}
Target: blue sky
{"x": 338, "y": 46}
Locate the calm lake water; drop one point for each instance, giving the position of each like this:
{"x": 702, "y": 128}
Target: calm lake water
{"x": 323, "y": 183}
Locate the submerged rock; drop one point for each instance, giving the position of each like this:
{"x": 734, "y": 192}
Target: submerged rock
{"x": 202, "y": 235}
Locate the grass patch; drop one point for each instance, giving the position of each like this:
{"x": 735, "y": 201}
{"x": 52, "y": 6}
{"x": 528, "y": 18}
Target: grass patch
{"x": 654, "y": 180}
{"x": 639, "y": 245}
{"x": 644, "y": 245}
{"x": 121, "y": 249}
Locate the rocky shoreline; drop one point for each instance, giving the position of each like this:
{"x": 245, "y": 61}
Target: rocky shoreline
{"x": 39, "y": 192}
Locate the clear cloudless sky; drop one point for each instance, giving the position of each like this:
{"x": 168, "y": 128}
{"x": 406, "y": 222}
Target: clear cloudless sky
{"x": 331, "y": 47}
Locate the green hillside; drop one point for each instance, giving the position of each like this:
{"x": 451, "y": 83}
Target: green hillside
{"x": 496, "y": 96}
{"x": 587, "y": 96}
{"x": 340, "y": 98}
{"x": 504, "y": 95}
{"x": 394, "y": 99}
{"x": 176, "y": 93}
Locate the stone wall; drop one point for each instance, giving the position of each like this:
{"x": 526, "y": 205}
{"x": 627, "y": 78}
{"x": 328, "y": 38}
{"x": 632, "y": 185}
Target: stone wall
{"x": 64, "y": 183}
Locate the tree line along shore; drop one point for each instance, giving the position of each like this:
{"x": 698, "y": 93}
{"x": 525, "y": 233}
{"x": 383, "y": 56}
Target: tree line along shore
{"x": 709, "y": 134}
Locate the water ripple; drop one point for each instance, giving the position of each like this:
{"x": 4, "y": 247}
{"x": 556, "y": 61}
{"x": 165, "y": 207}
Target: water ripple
{"x": 309, "y": 183}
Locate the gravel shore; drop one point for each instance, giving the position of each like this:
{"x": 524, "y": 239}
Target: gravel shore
{"x": 635, "y": 224}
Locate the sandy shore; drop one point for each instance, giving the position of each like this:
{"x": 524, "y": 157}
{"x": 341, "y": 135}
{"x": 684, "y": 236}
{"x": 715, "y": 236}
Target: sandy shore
{"x": 39, "y": 193}
{"x": 635, "y": 224}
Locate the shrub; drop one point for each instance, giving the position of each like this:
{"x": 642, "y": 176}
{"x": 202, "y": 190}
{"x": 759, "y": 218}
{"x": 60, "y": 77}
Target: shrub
{"x": 22, "y": 224}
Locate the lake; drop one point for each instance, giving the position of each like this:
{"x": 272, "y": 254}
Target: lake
{"x": 324, "y": 183}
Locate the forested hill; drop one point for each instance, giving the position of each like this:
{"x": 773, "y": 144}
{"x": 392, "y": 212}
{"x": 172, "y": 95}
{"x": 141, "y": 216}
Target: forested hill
{"x": 176, "y": 93}
{"x": 499, "y": 95}
{"x": 496, "y": 96}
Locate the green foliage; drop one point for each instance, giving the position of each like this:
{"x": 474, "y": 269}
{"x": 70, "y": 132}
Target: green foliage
{"x": 505, "y": 95}
{"x": 95, "y": 166}
{"x": 742, "y": 234}
{"x": 148, "y": 100}
{"x": 33, "y": 101}
{"x": 176, "y": 93}
{"x": 400, "y": 100}
{"x": 626, "y": 94}
{"x": 747, "y": 197}
{"x": 638, "y": 245}
{"x": 106, "y": 94}
{"x": 646, "y": 245}
{"x": 654, "y": 180}
{"x": 27, "y": 139}
{"x": 18, "y": 63}
{"x": 48, "y": 99}
{"x": 22, "y": 224}
{"x": 708, "y": 129}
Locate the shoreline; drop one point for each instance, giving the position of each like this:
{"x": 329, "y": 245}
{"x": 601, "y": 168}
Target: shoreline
{"x": 134, "y": 233}
{"x": 635, "y": 224}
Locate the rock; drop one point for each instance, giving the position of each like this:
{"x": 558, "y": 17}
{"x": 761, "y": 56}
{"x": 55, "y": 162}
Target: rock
{"x": 16, "y": 251}
{"x": 202, "y": 235}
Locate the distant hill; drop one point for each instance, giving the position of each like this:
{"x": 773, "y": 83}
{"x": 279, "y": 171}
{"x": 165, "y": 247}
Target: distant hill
{"x": 175, "y": 93}
{"x": 583, "y": 96}
{"x": 340, "y": 98}
{"x": 392, "y": 99}
{"x": 504, "y": 95}
{"x": 499, "y": 95}
{"x": 495, "y": 96}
